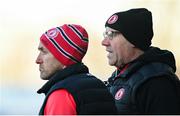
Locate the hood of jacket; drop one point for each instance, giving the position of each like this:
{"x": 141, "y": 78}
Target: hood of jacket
{"x": 154, "y": 54}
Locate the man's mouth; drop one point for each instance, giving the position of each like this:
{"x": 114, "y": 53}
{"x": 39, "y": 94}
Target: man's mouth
{"x": 110, "y": 51}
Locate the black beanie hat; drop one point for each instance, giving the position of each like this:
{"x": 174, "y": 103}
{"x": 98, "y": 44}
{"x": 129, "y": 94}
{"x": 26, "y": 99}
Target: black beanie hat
{"x": 135, "y": 25}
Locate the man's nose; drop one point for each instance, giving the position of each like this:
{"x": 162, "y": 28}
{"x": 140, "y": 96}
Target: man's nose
{"x": 105, "y": 42}
{"x": 39, "y": 60}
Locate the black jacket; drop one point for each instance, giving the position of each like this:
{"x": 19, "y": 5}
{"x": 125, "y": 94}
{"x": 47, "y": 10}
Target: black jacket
{"x": 148, "y": 85}
{"x": 90, "y": 94}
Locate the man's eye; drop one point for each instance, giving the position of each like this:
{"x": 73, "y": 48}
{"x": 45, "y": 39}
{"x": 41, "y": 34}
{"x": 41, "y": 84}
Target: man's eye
{"x": 44, "y": 52}
{"x": 109, "y": 33}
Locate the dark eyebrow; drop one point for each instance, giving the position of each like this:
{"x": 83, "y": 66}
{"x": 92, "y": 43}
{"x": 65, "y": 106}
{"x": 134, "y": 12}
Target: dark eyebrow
{"x": 40, "y": 48}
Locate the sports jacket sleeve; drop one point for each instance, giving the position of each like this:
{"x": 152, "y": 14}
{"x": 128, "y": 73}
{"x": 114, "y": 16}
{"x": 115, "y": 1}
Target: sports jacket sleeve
{"x": 60, "y": 102}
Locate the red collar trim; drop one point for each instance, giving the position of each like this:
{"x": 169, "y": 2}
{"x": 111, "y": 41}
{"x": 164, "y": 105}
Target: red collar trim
{"x": 122, "y": 70}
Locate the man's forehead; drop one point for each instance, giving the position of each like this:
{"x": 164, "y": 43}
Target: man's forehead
{"x": 41, "y": 46}
{"x": 110, "y": 29}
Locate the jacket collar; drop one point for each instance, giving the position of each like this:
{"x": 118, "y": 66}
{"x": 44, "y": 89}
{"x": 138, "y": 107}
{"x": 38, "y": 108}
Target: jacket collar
{"x": 62, "y": 74}
{"x": 128, "y": 70}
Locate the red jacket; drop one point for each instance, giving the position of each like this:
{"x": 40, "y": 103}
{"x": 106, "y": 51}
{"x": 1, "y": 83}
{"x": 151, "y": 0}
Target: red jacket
{"x": 60, "y": 102}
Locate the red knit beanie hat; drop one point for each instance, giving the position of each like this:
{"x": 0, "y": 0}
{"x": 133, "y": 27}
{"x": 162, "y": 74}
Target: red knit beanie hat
{"x": 68, "y": 43}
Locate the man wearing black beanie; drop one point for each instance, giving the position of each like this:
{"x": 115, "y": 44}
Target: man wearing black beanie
{"x": 145, "y": 81}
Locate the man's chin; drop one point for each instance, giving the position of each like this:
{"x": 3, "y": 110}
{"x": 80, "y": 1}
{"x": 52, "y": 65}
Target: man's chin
{"x": 111, "y": 64}
{"x": 44, "y": 77}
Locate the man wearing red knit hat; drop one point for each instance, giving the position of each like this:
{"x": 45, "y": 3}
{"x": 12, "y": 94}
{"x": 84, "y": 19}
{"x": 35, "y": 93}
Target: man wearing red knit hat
{"x": 70, "y": 88}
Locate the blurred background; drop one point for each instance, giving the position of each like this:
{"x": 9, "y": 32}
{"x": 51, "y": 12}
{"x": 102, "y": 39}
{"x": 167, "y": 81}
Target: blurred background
{"x": 23, "y": 21}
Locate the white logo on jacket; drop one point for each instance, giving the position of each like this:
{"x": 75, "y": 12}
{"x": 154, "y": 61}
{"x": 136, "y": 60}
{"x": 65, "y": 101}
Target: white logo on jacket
{"x": 119, "y": 94}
